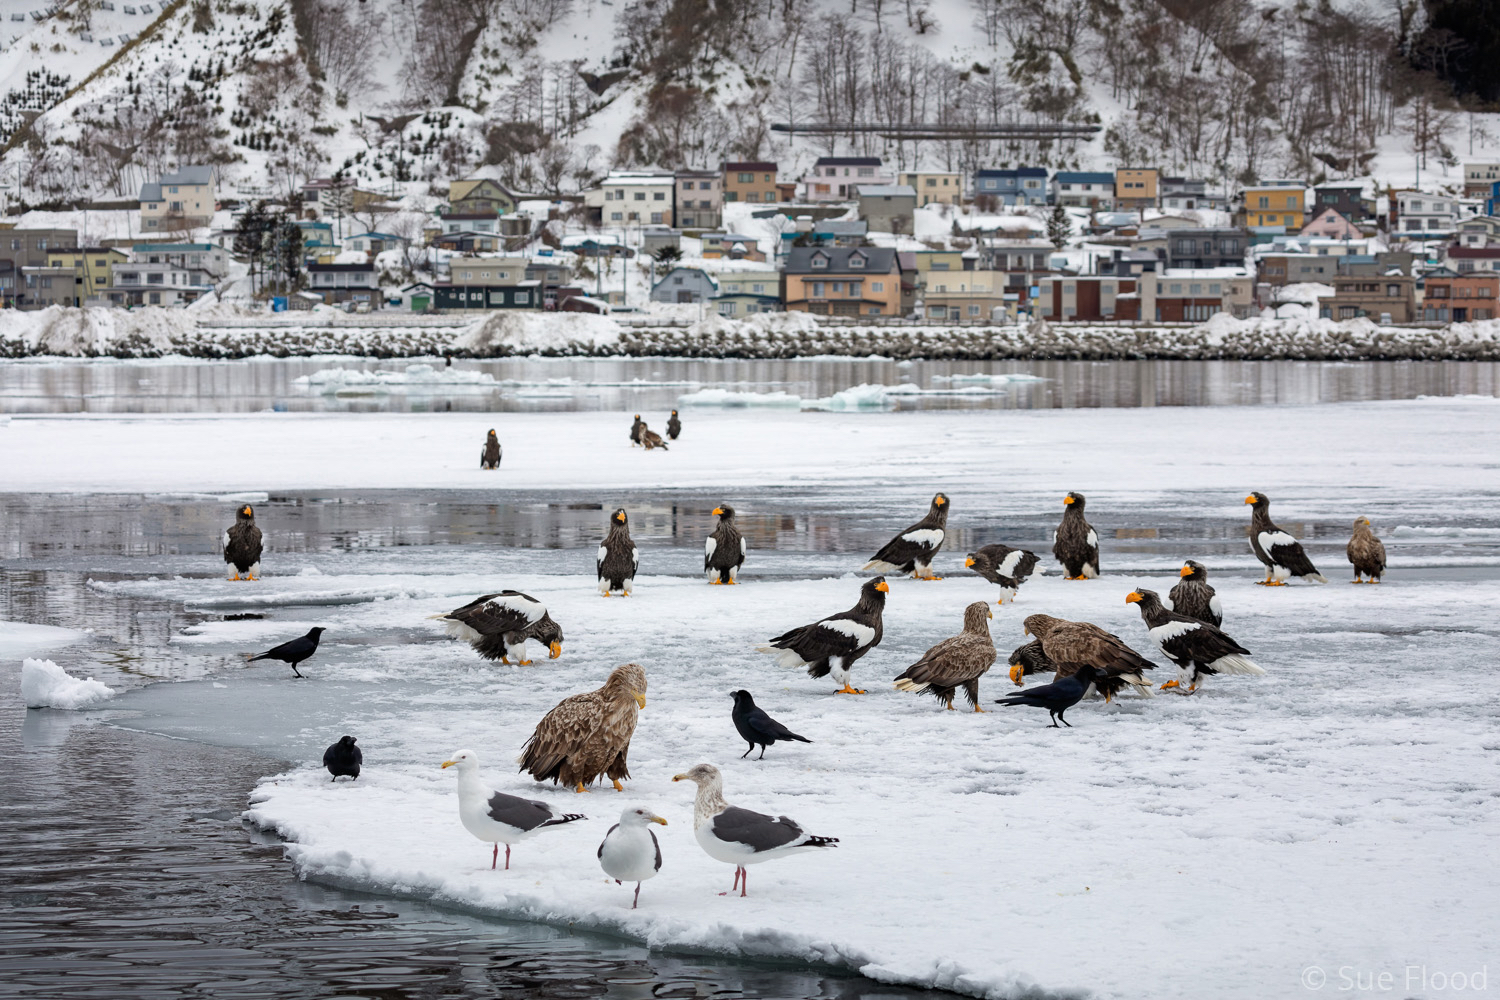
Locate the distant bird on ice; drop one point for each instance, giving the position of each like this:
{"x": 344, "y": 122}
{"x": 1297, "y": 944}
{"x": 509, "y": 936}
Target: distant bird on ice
{"x": 489, "y": 456}
{"x": 1075, "y": 544}
{"x": 674, "y": 426}
{"x": 587, "y": 735}
{"x": 495, "y": 817}
{"x": 499, "y": 626}
{"x": 1366, "y": 552}
{"x": 832, "y": 645}
{"x": 242, "y": 546}
{"x": 1194, "y": 596}
{"x": 636, "y": 428}
{"x": 724, "y": 552}
{"x": 618, "y": 557}
{"x": 956, "y": 662}
{"x": 756, "y": 727}
{"x": 343, "y": 758}
{"x": 650, "y": 440}
{"x": 739, "y": 836}
{"x": 630, "y": 852}
{"x": 1281, "y": 553}
{"x": 913, "y": 550}
{"x": 1198, "y": 648}
{"x": 1003, "y": 565}
{"x": 292, "y": 652}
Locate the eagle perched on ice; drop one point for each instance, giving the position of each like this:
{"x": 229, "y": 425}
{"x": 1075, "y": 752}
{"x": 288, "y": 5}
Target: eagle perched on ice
{"x": 1076, "y": 645}
{"x": 1198, "y": 648}
{"x": 618, "y": 557}
{"x": 489, "y": 455}
{"x": 1003, "y": 565}
{"x": 242, "y": 546}
{"x": 831, "y": 645}
{"x": 588, "y": 735}
{"x": 1366, "y": 552}
{"x": 1075, "y": 544}
{"x": 956, "y": 662}
{"x": 1194, "y": 596}
{"x": 724, "y": 552}
{"x": 1281, "y": 553}
{"x": 912, "y": 550}
{"x": 499, "y": 626}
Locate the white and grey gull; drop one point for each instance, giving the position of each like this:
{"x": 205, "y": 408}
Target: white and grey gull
{"x": 739, "y": 836}
{"x": 495, "y": 817}
{"x": 630, "y": 852}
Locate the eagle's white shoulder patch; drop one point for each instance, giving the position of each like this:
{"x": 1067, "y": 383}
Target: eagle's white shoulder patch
{"x": 709, "y": 546}
{"x": 1216, "y": 607}
{"x": 932, "y": 537}
{"x": 1093, "y": 538}
{"x": 603, "y": 551}
{"x": 1270, "y": 539}
{"x": 1008, "y": 564}
{"x": 861, "y": 634}
{"x": 1171, "y": 630}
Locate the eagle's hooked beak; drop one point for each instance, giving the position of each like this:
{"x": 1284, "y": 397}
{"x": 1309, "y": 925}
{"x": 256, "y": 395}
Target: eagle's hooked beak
{"x": 989, "y": 613}
{"x": 969, "y": 561}
{"x": 640, "y": 699}
{"x": 883, "y": 587}
{"x": 1249, "y": 499}
{"x": 246, "y": 512}
{"x": 620, "y": 518}
{"x": 1185, "y": 571}
{"x": 1025, "y": 630}
{"x": 718, "y": 511}
{"x": 939, "y": 500}
{"x": 1067, "y": 500}
{"x": 1016, "y": 673}
{"x": 1133, "y": 598}
{"x": 449, "y": 763}
{"x": 556, "y": 650}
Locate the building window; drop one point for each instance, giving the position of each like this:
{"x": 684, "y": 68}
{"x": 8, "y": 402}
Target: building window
{"x": 877, "y": 286}
{"x": 640, "y": 196}
{"x": 818, "y": 291}
{"x": 820, "y": 262}
{"x": 154, "y": 298}
{"x": 726, "y": 308}
{"x": 856, "y": 260}
{"x": 855, "y": 289}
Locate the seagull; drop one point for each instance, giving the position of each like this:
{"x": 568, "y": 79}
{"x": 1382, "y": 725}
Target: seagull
{"x": 343, "y": 758}
{"x": 495, "y": 817}
{"x": 293, "y": 652}
{"x": 738, "y": 836}
{"x": 629, "y": 851}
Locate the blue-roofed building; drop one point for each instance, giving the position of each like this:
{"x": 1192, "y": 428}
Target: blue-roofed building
{"x": 1492, "y": 203}
{"x": 1021, "y": 186}
{"x": 1084, "y": 188}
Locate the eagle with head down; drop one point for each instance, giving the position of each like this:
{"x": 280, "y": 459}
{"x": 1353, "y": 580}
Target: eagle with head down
{"x": 587, "y": 736}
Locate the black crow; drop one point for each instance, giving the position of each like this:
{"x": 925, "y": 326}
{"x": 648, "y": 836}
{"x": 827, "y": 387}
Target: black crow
{"x": 756, "y": 726}
{"x": 292, "y": 653}
{"x": 1057, "y": 697}
{"x": 343, "y": 758}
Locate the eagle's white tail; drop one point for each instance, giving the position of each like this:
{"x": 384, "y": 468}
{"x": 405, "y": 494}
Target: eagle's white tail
{"x": 1234, "y": 663}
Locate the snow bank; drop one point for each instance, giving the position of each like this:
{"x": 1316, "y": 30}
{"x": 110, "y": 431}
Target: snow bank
{"x": 989, "y": 378}
{"x": 92, "y": 332}
{"x": 729, "y": 397}
{"x": 514, "y": 331}
{"x": 20, "y": 639}
{"x": 754, "y": 325}
{"x": 46, "y": 685}
{"x": 869, "y": 396}
{"x": 347, "y": 381}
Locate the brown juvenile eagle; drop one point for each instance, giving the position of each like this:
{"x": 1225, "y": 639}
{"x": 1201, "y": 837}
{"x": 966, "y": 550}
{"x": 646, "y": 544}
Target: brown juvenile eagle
{"x": 588, "y": 735}
{"x": 1074, "y": 645}
{"x": 1366, "y": 552}
{"x": 955, "y": 662}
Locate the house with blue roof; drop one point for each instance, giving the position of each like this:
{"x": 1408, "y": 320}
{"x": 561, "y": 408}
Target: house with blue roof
{"x": 1084, "y": 188}
{"x": 1021, "y": 186}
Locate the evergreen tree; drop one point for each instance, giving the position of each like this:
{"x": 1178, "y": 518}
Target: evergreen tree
{"x": 1059, "y": 227}
{"x": 250, "y": 239}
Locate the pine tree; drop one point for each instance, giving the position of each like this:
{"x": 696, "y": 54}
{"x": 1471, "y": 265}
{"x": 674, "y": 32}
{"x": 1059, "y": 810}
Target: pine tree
{"x": 1059, "y": 227}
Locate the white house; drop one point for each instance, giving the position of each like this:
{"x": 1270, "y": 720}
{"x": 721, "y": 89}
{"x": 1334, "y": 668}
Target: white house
{"x": 1424, "y": 216}
{"x": 633, "y": 198}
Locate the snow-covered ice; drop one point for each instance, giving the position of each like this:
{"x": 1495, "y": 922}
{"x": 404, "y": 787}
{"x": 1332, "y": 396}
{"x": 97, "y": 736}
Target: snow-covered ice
{"x": 411, "y": 378}
{"x": 1336, "y": 812}
{"x": 46, "y": 685}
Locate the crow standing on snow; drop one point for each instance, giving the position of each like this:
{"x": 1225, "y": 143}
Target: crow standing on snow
{"x": 343, "y": 758}
{"x": 756, "y": 727}
{"x": 294, "y": 652}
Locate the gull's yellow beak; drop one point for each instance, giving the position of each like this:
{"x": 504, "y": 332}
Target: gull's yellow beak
{"x": 718, "y": 511}
{"x": 1067, "y": 500}
{"x": 640, "y": 700}
{"x": 556, "y": 650}
{"x": 658, "y": 819}
{"x": 883, "y": 587}
{"x": 1249, "y": 499}
{"x": 969, "y": 561}
{"x": 1185, "y": 571}
{"x": 449, "y": 763}
{"x": 679, "y": 777}
{"x": 1133, "y": 598}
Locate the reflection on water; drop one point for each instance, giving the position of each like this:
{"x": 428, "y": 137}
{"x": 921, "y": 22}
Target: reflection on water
{"x": 536, "y": 384}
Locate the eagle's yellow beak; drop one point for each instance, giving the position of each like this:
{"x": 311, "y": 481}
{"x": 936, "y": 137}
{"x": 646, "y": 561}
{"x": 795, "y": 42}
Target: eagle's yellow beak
{"x": 939, "y": 500}
{"x": 1133, "y": 598}
{"x": 640, "y": 700}
{"x": 990, "y": 613}
{"x": 883, "y": 587}
{"x": 1016, "y": 673}
{"x": 1185, "y": 571}
{"x": 1025, "y": 630}
{"x": 1067, "y": 500}
{"x": 556, "y": 650}
{"x": 1249, "y": 499}
{"x": 718, "y": 511}
{"x": 658, "y": 819}
{"x": 449, "y": 763}
{"x": 246, "y": 512}
{"x": 969, "y": 561}
{"x": 620, "y": 518}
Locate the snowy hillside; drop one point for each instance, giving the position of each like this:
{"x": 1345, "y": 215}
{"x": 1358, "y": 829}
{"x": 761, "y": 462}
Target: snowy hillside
{"x": 98, "y": 96}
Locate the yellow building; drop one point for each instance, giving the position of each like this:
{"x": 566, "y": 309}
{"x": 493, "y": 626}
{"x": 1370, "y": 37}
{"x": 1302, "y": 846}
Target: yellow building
{"x": 934, "y": 188}
{"x": 1135, "y": 188}
{"x": 1275, "y": 203}
{"x": 93, "y": 268}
